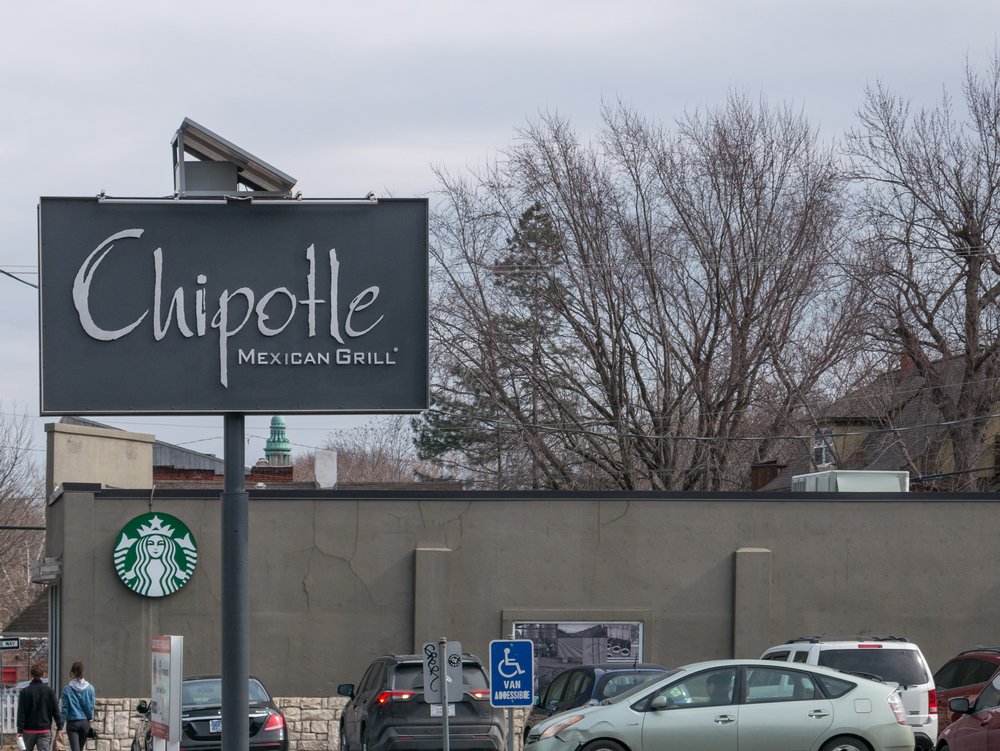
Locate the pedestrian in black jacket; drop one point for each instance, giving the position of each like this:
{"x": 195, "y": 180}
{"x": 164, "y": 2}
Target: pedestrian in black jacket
{"x": 36, "y": 709}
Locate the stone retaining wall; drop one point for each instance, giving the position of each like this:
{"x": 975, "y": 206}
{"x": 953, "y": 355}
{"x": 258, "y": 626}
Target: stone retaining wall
{"x": 313, "y": 723}
{"x": 115, "y": 721}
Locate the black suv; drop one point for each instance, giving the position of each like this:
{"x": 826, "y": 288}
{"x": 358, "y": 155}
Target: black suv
{"x": 589, "y": 684}
{"x": 388, "y": 711}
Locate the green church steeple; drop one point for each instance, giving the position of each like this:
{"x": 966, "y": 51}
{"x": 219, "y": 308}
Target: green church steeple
{"x": 277, "y": 450}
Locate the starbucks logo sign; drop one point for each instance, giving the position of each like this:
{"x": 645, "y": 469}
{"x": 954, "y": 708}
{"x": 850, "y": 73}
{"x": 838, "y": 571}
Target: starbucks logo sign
{"x": 155, "y": 554}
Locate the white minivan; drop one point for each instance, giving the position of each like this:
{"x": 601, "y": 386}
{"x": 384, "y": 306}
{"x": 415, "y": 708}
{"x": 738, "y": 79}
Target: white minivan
{"x": 887, "y": 658}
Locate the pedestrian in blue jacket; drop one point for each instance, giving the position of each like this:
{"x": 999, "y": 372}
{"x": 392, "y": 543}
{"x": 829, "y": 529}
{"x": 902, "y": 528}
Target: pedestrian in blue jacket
{"x": 77, "y": 707}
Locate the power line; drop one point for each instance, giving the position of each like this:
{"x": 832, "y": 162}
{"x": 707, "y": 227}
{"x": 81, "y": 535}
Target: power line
{"x": 556, "y": 428}
{"x": 18, "y": 279}
{"x": 568, "y": 428}
{"x": 187, "y": 425}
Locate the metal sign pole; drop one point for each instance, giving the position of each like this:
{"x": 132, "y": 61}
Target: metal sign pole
{"x": 510, "y": 728}
{"x": 443, "y": 655}
{"x": 235, "y": 590}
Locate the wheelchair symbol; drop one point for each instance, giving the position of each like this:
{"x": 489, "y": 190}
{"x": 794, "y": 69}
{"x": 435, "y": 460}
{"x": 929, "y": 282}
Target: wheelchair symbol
{"x": 508, "y": 662}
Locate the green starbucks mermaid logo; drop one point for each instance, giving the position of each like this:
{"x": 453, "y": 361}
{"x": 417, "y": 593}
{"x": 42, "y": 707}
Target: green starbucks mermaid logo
{"x": 155, "y": 554}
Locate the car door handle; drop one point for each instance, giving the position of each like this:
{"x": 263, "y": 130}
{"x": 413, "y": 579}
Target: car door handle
{"x": 817, "y": 713}
{"x": 723, "y": 719}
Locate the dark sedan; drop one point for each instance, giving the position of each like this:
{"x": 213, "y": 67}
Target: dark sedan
{"x": 589, "y": 684}
{"x": 201, "y": 718}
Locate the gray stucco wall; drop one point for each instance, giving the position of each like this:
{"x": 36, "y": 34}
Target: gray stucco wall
{"x": 333, "y": 576}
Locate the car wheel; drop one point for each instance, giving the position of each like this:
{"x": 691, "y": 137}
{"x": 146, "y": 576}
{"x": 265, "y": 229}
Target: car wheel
{"x": 845, "y": 743}
{"x": 527, "y": 731}
{"x": 604, "y": 746}
{"x": 343, "y": 741}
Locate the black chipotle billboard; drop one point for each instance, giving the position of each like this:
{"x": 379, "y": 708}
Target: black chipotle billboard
{"x": 162, "y": 307}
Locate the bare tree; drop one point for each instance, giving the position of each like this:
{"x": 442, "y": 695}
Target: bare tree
{"x": 20, "y": 506}
{"x": 626, "y": 310}
{"x": 304, "y": 466}
{"x": 930, "y": 212}
{"x": 377, "y": 452}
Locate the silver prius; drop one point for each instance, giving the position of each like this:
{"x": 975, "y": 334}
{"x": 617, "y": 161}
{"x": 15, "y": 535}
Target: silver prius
{"x": 737, "y": 705}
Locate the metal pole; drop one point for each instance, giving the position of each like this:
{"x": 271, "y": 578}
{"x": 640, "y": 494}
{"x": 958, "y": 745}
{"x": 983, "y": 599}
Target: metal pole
{"x": 510, "y": 729}
{"x": 443, "y": 653}
{"x": 235, "y": 591}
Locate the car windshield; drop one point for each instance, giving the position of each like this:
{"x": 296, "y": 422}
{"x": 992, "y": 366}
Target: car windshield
{"x": 627, "y": 695}
{"x": 615, "y": 684}
{"x": 902, "y": 666}
{"x": 411, "y": 675}
{"x": 209, "y": 692}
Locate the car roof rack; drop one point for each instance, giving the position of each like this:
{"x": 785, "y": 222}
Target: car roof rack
{"x": 846, "y": 637}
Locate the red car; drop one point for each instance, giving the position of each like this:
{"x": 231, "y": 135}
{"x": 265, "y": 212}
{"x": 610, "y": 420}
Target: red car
{"x": 978, "y": 726}
{"x": 964, "y": 676}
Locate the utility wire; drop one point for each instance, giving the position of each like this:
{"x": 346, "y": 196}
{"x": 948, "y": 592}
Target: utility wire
{"x": 18, "y": 279}
{"x": 611, "y": 432}
{"x": 593, "y": 433}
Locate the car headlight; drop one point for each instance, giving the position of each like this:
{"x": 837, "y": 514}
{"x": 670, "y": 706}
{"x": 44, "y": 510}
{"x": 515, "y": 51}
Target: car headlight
{"x": 559, "y": 727}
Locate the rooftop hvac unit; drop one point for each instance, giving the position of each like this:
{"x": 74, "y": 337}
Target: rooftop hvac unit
{"x": 852, "y": 481}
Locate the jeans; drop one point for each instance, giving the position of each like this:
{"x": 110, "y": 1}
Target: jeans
{"x": 41, "y": 741}
{"x": 76, "y": 731}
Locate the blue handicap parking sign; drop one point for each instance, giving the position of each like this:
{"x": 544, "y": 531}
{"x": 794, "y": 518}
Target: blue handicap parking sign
{"x": 511, "y": 673}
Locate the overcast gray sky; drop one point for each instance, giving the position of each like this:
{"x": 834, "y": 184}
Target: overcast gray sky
{"x": 352, "y": 97}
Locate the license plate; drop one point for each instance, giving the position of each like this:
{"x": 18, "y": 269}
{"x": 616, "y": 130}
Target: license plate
{"x": 215, "y": 726}
{"x": 436, "y": 710}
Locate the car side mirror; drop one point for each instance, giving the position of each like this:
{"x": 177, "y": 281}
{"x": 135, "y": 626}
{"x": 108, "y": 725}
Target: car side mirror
{"x": 959, "y": 704}
{"x": 142, "y": 707}
{"x": 536, "y": 701}
{"x": 346, "y": 689}
{"x": 660, "y": 702}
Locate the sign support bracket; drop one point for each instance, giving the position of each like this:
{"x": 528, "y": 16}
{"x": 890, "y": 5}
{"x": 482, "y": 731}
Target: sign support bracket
{"x": 235, "y": 588}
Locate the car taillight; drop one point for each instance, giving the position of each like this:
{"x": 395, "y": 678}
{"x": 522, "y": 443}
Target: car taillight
{"x": 896, "y": 704}
{"x": 386, "y": 697}
{"x": 479, "y": 694}
{"x": 274, "y": 722}
{"x": 932, "y": 701}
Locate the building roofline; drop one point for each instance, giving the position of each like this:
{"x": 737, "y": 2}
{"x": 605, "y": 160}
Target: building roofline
{"x": 417, "y": 494}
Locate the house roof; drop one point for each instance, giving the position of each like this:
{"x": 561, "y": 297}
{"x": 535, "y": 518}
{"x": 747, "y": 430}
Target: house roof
{"x": 165, "y": 454}
{"x": 905, "y": 423}
{"x": 33, "y": 621}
